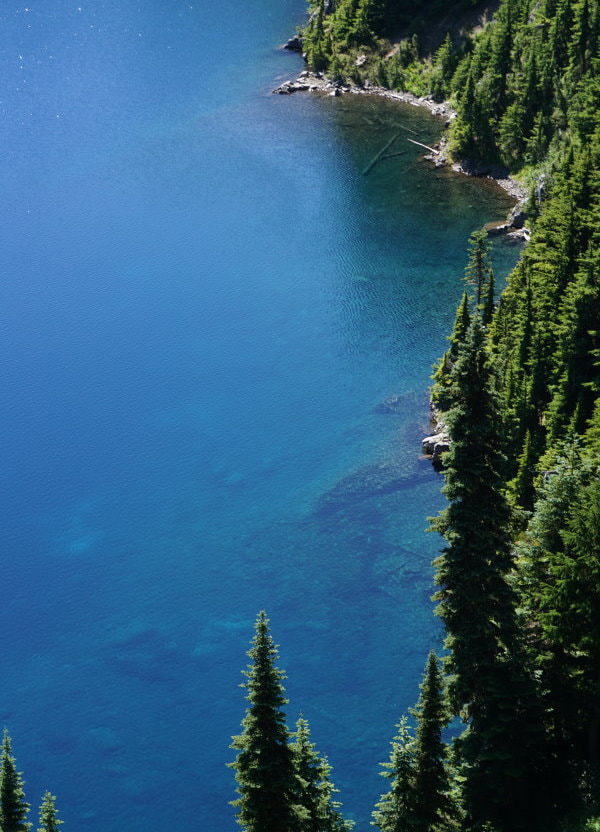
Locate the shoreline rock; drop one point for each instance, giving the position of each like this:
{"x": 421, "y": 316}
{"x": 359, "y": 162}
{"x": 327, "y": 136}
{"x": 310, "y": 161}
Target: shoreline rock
{"x": 294, "y": 44}
{"x": 439, "y": 441}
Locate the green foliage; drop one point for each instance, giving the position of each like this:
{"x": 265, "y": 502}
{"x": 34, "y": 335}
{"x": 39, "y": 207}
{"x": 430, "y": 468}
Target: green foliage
{"x": 557, "y": 578}
{"x": 477, "y": 556}
{"x": 49, "y": 821}
{"x": 479, "y": 273}
{"x": 318, "y": 810}
{"x": 395, "y": 810}
{"x": 502, "y": 750}
{"x": 441, "y": 391}
{"x": 13, "y": 807}
{"x": 521, "y": 487}
{"x": 434, "y": 810}
{"x": 264, "y": 767}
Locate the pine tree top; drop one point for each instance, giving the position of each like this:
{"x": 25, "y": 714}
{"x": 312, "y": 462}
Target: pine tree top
{"x": 49, "y": 821}
{"x": 13, "y": 807}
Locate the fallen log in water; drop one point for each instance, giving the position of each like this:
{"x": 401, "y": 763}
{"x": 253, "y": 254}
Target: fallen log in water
{"x": 378, "y": 156}
{"x": 391, "y": 155}
{"x": 426, "y": 146}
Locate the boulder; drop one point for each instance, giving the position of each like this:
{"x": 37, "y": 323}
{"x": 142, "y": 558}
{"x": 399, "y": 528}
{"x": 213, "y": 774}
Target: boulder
{"x": 520, "y": 235}
{"x": 430, "y": 442}
{"x": 291, "y": 86}
{"x": 294, "y": 44}
{"x": 518, "y": 217}
{"x": 440, "y": 448}
{"x": 495, "y": 229}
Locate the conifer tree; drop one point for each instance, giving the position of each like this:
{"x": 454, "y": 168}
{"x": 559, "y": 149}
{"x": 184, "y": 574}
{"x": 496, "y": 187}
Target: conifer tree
{"x": 264, "y": 767}
{"x": 13, "y": 807}
{"x": 500, "y": 57}
{"x": 440, "y": 392}
{"x": 479, "y": 266}
{"x": 462, "y": 322}
{"x": 318, "y": 810}
{"x": 395, "y": 810}
{"x": 571, "y": 616}
{"x": 367, "y": 21}
{"x": 490, "y": 686}
{"x": 49, "y": 821}
{"x": 490, "y": 295}
{"x": 314, "y": 41}
{"x": 522, "y": 487}
{"x": 558, "y": 586}
{"x": 433, "y": 806}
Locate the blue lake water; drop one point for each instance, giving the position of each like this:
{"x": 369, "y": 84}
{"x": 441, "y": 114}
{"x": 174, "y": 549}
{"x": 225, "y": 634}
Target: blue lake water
{"x": 203, "y": 301}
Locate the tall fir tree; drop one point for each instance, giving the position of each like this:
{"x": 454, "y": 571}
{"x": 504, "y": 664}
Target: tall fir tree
{"x": 49, "y": 821}
{"x": 478, "y": 272}
{"x": 395, "y": 811}
{"x": 13, "y": 807}
{"x": 318, "y": 809}
{"x": 264, "y": 767}
{"x": 570, "y": 617}
{"x": 434, "y": 810}
{"x": 491, "y": 688}
{"x": 441, "y": 389}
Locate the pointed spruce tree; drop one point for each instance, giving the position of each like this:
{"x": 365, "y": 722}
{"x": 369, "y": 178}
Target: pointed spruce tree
{"x": 521, "y": 487}
{"x": 49, "y": 821}
{"x": 13, "y": 807}
{"x": 479, "y": 266}
{"x": 490, "y": 299}
{"x": 264, "y": 768}
{"x": 434, "y": 810}
{"x": 318, "y": 810}
{"x": 395, "y": 811}
{"x": 440, "y": 391}
{"x": 490, "y": 686}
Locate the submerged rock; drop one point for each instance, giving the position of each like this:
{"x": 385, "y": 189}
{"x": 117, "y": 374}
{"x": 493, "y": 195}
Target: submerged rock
{"x": 374, "y": 480}
{"x": 393, "y": 404}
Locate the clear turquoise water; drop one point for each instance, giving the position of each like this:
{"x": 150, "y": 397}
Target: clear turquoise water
{"x": 203, "y": 302}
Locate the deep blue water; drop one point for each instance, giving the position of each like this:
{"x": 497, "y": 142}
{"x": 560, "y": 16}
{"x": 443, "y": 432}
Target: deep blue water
{"x": 203, "y": 302}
